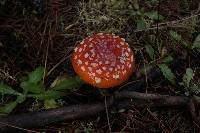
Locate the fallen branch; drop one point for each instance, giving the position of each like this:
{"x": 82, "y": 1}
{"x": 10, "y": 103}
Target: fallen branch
{"x": 73, "y": 112}
{"x": 161, "y": 100}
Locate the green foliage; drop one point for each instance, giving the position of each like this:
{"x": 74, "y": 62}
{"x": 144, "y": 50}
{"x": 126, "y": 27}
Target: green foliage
{"x": 150, "y": 51}
{"x": 167, "y": 59}
{"x": 49, "y": 94}
{"x": 36, "y": 76}
{"x": 196, "y": 44}
{"x": 34, "y": 81}
{"x": 5, "y": 89}
{"x": 50, "y": 103}
{"x": 33, "y": 87}
{"x": 7, "y": 108}
{"x": 154, "y": 15}
{"x": 190, "y": 87}
{"x": 141, "y": 25}
{"x": 175, "y": 35}
{"x": 21, "y": 98}
{"x": 167, "y": 73}
{"x": 67, "y": 83}
{"x": 178, "y": 38}
{"x": 188, "y": 77}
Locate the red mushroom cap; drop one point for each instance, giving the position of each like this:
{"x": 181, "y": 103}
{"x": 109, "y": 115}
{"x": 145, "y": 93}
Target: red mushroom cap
{"x": 103, "y": 60}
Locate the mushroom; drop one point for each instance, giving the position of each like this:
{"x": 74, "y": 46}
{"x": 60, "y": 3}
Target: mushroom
{"x": 103, "y": 60}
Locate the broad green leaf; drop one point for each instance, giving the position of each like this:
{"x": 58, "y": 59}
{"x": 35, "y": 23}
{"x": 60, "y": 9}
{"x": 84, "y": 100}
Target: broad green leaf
{"x": 196, "y": 43}
{"x": 32, "y": 87}
{"x": 36, "y": 75}
{"x": 178, "y": 38}
{"x": 167, "y": 73}
{"x": 50, "y": 94}
{"x": 50, "y": 103}
{"x": 67, "y": 83}
{"x": 141, "y": 25}
{"x": 21, "y": 98}
{"x": 167, "y": 59}
{"x": 150, "y": 51}
{"x": 5, "y": 89}
{"x": 175, "y": 35}
{"x": 7, "y": 108}
{"x": 188, "y": 76}
{"x": 154, "y": 15}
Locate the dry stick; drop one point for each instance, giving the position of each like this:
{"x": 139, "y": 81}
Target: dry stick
{"x": 22, "y": 129}
{"x": 47, "y": 53}
{"x": 158, "y": 100}
{"x": 163, "y": 127}
{"x": 54, "y": 67}
{"x": 73, "y": 112}
{"x": 38, "y": 119}
{"x": 108, "y": 119}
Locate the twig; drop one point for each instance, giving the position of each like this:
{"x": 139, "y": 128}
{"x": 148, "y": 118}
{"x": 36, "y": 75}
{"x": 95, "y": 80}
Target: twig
{"x": 23, "y": 129}
{"x": 164, "y": 128}
{"x": 54, "y": 67}
{"x": 106, "y": 106}
{"x": 73, "y": 112}
{"x": 47, "y": 53}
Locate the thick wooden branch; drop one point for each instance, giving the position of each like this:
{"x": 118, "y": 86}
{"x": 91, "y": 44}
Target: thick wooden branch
{"x": 161, "y": 100}
{"x": 124, "y": 99}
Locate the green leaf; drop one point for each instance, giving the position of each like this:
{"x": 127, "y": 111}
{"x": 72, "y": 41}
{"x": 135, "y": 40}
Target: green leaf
{"x": 67, "y": 83}
{"x": 50, "y": 94}
{"x": 141, "y": 25}
{"x": 175, "y": 35}
{"x": 150, "y": 51}
{"x": 196, "y": 43}
{"x": 178, "y": 38}
{"x": 32, "y": 87}
{"x": 7, "y": 108}
{"x": 5, "y": 89}
{"x": 195, "y": 89}
{"x": 21, "y": 98}
{"x": 50, "y": 103}
{"x": 167, "y": 59}
{"x": 154, "y": 15}
{"x": 167, "y": 73}
{"x": 188, "y": 76}
{"x": 36, "y": 76}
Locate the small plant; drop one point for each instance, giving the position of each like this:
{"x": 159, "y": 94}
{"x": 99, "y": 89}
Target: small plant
{"x": 191, "y": 88}
{"x": 33, "y": 87}
{"x": 163, "y": 62}
{"x": 169, "y": 75}
{"x": 178, "y": 38}
{"x": 196, "y": 43}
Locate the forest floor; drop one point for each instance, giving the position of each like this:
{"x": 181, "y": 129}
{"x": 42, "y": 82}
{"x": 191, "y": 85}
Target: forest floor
{"x": 41, "y": 35}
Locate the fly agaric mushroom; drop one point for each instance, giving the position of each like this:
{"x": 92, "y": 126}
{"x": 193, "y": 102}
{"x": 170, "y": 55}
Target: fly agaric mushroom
{"x": 103, "y": 60}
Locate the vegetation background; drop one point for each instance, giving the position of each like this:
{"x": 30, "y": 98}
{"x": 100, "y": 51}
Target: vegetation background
{"x": 38, "y": 36}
